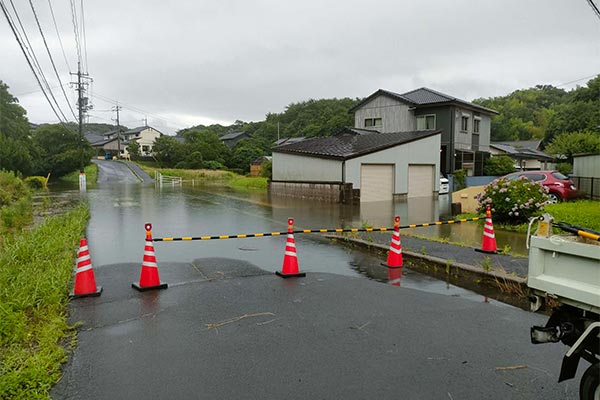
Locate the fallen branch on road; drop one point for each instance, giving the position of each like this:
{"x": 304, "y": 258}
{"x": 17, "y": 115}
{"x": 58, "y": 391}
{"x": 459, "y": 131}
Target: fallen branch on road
{"x": 235, "y": 319}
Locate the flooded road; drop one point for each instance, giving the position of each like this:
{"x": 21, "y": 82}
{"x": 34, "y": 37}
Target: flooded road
{"x": 119, "y": 211}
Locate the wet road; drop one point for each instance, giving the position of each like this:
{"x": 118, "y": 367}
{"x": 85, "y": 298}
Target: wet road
{"x": 228, "y": 329}
{"x": 114, "y": 172}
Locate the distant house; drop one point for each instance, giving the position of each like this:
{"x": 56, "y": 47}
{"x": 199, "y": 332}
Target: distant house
{"x": 231, "y": 139}
{"x": 361, "y": 163}
{"x": 144, "y": 135}
{"x": 256, "y": 166}
{"x": 464, "y": 126}
{"x": 526, "y": 154}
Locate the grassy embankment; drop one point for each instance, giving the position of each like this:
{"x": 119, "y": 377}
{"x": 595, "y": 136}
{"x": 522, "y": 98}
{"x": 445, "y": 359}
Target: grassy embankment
{"x": 91, "y": 175}
{"x": 36, "y": 266}
{"x": 207, "y": 176}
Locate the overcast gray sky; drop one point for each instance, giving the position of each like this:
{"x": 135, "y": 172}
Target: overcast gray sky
{"x": 183, "y": 63}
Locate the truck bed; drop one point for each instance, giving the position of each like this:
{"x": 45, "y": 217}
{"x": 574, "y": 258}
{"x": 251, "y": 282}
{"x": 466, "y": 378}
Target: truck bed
{"x": 566, "y": 267}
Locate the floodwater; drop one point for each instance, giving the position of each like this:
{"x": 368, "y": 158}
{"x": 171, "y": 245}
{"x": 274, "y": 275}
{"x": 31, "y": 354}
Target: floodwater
{"x": 116, "y": 231}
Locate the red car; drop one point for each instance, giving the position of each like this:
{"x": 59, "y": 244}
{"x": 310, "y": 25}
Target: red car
{"x": 560, "y": 187}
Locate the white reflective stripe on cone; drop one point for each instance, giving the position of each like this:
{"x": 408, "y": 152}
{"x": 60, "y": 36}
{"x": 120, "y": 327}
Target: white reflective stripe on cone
{"x": 290, "y": 253}
{"x": 83, "y": 248}
{"x": 396, "y": 242}
{"x": 83, "y": 269}
{"x": 490, "y": 235}
{"x": 397, "y": 251}
{"x": 149, "y": 264}
{"x": 290, "y": 236}
{"x": 83, "y": 258}
{"x": 290, "y": 244}
{"x": 148, "y": 253}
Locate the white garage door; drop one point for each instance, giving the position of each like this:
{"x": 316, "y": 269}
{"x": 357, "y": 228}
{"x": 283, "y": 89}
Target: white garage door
{"x": 420, "y": 180}
{"x": 376, "y": 182}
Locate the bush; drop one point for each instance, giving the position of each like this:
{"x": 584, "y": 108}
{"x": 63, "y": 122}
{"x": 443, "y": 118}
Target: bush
{"x": 213, "y": 164}
{"x": 11, "y": 188}
{"x": 460, "y": 179}
{"x": 513, "y": 201}
{"x": 564, "y": 168}
{"x": 498, "y": 166}
{"x": 36, "y": 182}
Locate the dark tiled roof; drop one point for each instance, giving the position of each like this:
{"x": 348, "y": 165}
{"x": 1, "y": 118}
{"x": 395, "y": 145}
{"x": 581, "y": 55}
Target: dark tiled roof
{"x": 233, "y": 135}
{"x": 94, "y": 137}
{"x": 521, "y": 152}
{"x": 423, "y": 97}
{"x": 360, "y": 131}
{"x": 527, "y": 144}
{"x": 288, "y": 140}
{"x": 348, "y": 144}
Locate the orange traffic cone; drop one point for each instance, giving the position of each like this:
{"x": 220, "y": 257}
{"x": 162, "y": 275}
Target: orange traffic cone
{"x": 394, "y": 276}
{"x": 149, "y": 277}
{"x": 394, "y": 259}
{"x": 290, "y": 259}
{"x": 85, "y": 283}
{"x": 488, "y": 240}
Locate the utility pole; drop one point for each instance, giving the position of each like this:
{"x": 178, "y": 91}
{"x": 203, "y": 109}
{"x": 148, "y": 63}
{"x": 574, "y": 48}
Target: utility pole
{"x": 82, "y": 105}
{"x": 118, "y": 108}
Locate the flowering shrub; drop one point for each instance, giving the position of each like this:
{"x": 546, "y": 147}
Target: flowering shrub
{"x": 513, "y": 201}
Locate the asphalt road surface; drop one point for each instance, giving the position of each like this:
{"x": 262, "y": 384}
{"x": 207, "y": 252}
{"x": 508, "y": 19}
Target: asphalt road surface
{"x": 227, "y": 329}
{"x": 114, "y": 172}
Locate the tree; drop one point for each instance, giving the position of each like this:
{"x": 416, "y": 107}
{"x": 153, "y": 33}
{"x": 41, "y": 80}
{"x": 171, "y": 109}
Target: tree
{"x": 567, "y": 144}
{"x": 61, "y": 150}
{"x": 13, "y": 122}
{"x": 167, "y": 151}
{"x": 499, "y": 165}
{"x": 133, "y": 148}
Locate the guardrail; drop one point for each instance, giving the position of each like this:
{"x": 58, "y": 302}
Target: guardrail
{"x": 161, "y": 180}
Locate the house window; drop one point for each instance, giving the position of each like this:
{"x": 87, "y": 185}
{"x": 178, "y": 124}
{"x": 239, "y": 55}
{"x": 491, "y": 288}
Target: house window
{"x": 476, "y": 123}
{"x": 373, "y": 123}
{"x": 425, "y": 122}
{"x": 145, "y": 148}
{"x": 464, "y": 124}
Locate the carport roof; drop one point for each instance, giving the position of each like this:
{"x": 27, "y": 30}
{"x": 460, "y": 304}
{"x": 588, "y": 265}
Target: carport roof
{"x": 348, "y": 144}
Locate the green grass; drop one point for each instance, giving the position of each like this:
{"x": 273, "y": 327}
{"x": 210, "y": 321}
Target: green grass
{"x": 35, "y": 278}
{"x": 200, "y": 175}
{"x": 585, "y": 213}
{"x": 15, "y": 205}
{"x": 249, "y": 182}
{"x": 91, "y": 175}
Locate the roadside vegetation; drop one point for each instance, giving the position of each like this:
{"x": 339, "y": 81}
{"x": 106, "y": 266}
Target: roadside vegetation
{"x": 207, "y": 176}
{"x": 36, "y": 266}
{"x": 91, "y": 174}
{"x": 585, "y": 213}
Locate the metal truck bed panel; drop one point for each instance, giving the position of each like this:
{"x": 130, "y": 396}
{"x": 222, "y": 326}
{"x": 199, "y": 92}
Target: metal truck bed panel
{"x": 566, "y": 268}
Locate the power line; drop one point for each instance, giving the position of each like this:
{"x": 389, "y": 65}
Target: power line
{"x": 58, "y": 34}
{"x": 51, "y": 59}
{"x": 138, "y": 110}
{"x": 75, "y": 30}
{"x": 84, "y": 37}
{"x": 25, "y": 53}
{"x": 594, "y": 7}
{"x": 577, "y": 80}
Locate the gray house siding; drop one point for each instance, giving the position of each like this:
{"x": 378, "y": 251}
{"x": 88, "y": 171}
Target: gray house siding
{"x": 395, "y": 115}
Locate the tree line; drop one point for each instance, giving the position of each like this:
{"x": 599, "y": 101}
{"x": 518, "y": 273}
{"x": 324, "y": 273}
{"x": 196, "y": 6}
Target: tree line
{"x": 567, "y": 122}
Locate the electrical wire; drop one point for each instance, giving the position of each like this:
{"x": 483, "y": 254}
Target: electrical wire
{"x": 27, "y": 56}
{"x": 51, "y": 59}
{"x": 138, "y": 110}
{"x": 58, "y": 34}
{"x": 594, "y": 7}
{"x": 75, "y": 30}
{"x": 82, "y": 26}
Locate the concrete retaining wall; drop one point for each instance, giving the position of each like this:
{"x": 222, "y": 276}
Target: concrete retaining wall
{"x": 328, "y": 192}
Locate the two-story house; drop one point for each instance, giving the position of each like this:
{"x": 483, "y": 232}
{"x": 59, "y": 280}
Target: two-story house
{"x": 144, "y": 135}
{"x": 464, "y": 126}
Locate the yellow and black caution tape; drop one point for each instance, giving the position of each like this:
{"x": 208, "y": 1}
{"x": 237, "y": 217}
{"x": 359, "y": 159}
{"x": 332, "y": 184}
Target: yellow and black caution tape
{"x": 336, "y": 230}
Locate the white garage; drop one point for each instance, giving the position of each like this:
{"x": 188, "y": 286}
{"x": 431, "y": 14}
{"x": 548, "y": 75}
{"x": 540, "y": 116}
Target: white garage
{"x": 421, "y": 180}
{"x": 376, "y": 182}
{"x": 375, "y": 166}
